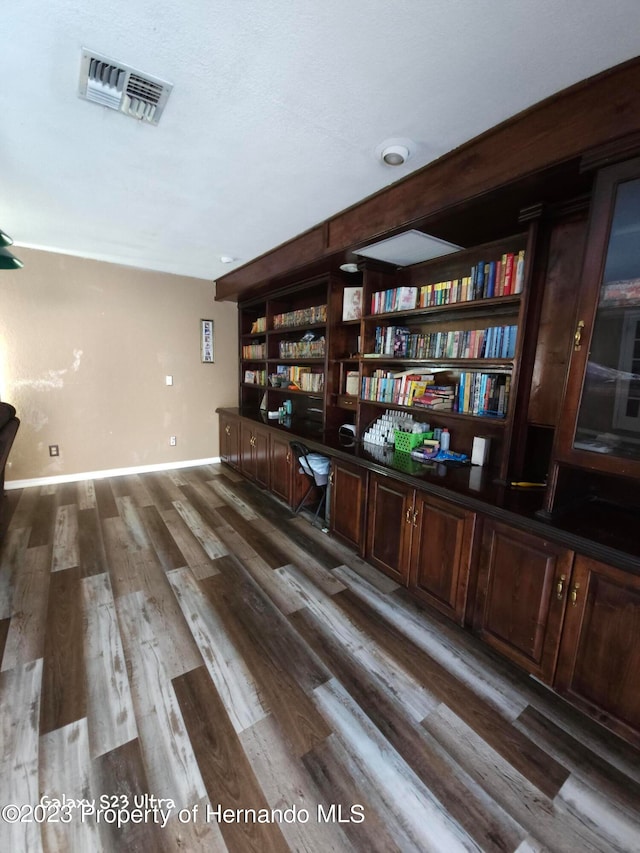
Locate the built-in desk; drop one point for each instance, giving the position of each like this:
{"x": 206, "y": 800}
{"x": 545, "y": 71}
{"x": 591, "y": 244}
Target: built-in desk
{"x": 558, "y": 597}
{"x": 599, "y": 530}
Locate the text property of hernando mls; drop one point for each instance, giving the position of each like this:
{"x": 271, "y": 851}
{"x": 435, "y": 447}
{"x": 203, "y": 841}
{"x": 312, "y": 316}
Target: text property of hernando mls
{"x": 122, "y": 809}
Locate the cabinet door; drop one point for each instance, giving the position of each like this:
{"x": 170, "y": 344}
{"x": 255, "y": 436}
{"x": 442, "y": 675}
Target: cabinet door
{"x": 600, "y": 427}
{"x": 247, "y": 456}
{"x": 441, "y": 554}
{"x": 348, "y": 494}
{"x": 254, "y": 452}
{"x": 522, "y": 583}
{"x": 600, "y": 654}
{"x": 280, "y": 467}
{"x": 261, "y": 456}
{"x": 389, "y": 526}
{"x": 230, "y": 440}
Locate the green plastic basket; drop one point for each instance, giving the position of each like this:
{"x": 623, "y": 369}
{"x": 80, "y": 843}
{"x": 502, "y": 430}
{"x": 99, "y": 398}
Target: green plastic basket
{"x": 406, "y": 441}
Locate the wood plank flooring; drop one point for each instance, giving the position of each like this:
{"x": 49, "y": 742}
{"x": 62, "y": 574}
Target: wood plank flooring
{"x": 186, "y": 666}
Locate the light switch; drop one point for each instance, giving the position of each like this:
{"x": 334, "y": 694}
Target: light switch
{"x": 168, "y": 380}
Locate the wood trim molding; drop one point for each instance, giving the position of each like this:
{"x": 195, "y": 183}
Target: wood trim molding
{"x": 589, "y": 116}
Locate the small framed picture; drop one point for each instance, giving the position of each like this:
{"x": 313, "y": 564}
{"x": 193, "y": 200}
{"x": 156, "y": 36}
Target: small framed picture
{"x": 352, "y": 303}
{"x": 206, "y": 341}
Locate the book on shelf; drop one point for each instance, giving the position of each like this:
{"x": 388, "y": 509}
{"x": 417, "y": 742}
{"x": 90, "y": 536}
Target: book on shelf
{"x": 407, "y": 298}
{"x": 254, "y": 351}
{"x": 352, "y": 382}
{"x": 486, "y": 280}
{"x": 309, "y": 346}
{"x": 395, "y": 299}
{"x": 301, "y": 317}
{"x": 440, "y": 397}
{"x": 400, "y": 342}
{"x": 404, "y": 387}
{"x": 507, "y": 261}
{"x": 478, "y": 284}
{"x": 484, "y": 394}
{"x": 519, "y": 274}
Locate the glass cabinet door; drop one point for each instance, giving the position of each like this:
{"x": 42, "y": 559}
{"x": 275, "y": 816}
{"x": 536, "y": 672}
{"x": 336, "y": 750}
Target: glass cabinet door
{"x": 608, "y": 412}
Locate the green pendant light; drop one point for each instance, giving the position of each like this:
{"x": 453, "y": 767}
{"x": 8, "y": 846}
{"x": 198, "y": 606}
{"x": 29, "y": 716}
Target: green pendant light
{"x": 7, "y": 260}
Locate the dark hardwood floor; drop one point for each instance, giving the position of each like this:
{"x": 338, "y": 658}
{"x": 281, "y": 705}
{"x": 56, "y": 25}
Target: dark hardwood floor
{"x": 178, "y": 650}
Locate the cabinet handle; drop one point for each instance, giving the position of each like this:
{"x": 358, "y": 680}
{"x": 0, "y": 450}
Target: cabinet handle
{"x": 574, "y": 594}
{"x": 227, "y": 429}
{"x": 331, "y": 477}
{"x": 415, "y": 518}
{"x": 252, "y": 441}
{"x": 288, "y": 457}
{"x": 407, "y": 515}
{"x": 577, "y": 338}
{"x": 560, "y": 587}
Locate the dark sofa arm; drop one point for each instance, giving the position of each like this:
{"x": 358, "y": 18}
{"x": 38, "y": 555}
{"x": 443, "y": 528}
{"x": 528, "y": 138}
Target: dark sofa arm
{"x": 9, "y": 424}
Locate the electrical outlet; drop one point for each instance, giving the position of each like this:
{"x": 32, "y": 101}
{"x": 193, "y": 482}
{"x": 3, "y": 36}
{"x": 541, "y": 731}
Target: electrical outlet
{"x": 172, "y": 441}
{"x": 53, "y": 450}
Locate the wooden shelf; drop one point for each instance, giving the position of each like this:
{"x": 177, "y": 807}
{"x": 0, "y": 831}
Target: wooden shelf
{"x": 475, "y": 306}
{"x": 440, "y": 364}
{"x": 295, "y": 360}
{"x": 445, "y": 413}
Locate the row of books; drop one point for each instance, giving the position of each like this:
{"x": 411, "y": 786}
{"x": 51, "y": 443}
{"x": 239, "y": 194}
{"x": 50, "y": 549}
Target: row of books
{"x": 255, "y": 377}
{"x": 302, "y": 377}
{"x": 401, "y": 342}
{"x": 404, "y": 388}
{"x": 259, "y": 325}
{"x": 254, "y": 351}
{"x": 486, "y": 280}
{"x": 474, "y": 393}
{"x": 301, "y": 317}
{"x": 484, "y": 394}
{"x": 302, "y": 349}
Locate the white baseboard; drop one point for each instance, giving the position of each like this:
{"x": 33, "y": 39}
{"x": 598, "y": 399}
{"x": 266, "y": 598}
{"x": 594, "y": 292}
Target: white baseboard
{"x": 113, "y": 472}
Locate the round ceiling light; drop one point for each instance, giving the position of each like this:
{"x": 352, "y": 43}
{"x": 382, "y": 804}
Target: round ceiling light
{"x": 349, "y": 267}
{"x": 395, "y": 155}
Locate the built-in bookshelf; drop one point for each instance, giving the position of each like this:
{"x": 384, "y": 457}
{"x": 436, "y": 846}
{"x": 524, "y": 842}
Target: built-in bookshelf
{"x": 441, "y": 339}
{"x": 499, "y": 277}
{"x": 284, "y": 352}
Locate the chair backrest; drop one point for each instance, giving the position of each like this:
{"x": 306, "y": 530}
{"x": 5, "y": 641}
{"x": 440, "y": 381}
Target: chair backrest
{"x": 314, "y": 465}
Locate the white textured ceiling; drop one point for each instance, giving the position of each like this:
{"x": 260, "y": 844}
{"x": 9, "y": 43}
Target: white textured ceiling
{"x": 277, "y": 110}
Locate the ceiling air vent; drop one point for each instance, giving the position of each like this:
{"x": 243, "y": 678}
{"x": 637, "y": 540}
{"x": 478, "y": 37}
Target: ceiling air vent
{"x": 120, "y": 87}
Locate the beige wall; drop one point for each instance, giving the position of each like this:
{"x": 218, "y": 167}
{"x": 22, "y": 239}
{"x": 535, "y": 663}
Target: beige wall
{"x": 84, "y": 350}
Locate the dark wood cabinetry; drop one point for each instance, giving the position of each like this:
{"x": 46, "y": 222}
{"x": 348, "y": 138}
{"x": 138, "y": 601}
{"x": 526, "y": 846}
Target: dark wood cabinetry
{"x": 521, "y": 594}
{"x": 422, "y": 542}
{"x": 389, "y": 525}
{"x": 599, "y": 430}
{"x": 541, "y": 602}
{"x": 600, "y": 653}
{"x": 567, "y": 619}
{"x": 230, "y": 440}
{"x": 254, "y": 452}
{"x": 280, "y": 467}
{"x": 441, "y": 544}
{"x": 348, "y": 502}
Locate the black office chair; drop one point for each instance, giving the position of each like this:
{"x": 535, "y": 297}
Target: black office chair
{"x": 316, "y": 467}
